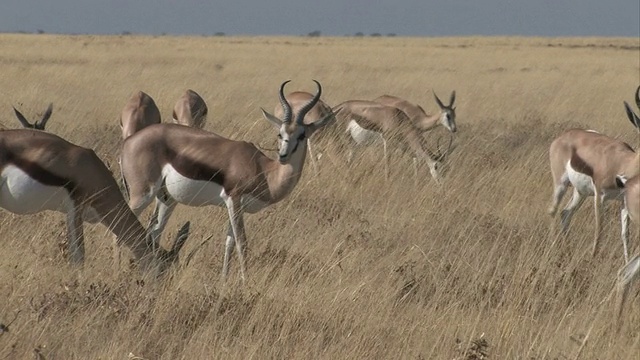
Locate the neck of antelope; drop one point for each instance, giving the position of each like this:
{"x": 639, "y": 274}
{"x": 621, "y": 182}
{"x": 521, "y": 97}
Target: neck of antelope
{"x": 427, "y": 122}
{"x": 129, "y": 232}
{"x": 283, "y": 178}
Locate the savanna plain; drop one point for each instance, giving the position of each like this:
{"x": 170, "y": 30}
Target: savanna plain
{"x": 349, "y": 266}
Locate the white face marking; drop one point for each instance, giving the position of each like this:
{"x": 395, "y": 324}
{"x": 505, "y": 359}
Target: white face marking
{"x": 289, "y": 142}
{"x": 20, "y": 194}
{"x": 363, "y": 136}
{"x": 202, "y": 193}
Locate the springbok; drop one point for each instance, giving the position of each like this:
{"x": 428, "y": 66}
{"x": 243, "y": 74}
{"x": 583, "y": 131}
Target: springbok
{"x": 369, "y": 122}
{"x": 139, "y": 112}
{"x": 41, "y": 171}
{"x": 590, "y": 162}
{"x": 297, "y": 100}
{"x": 190, "y": 110}
{"x": 631, "y": 210}
{"x": 446, "y": 117}
{"x": 180, "y": 164}
{"x": 38, "y": 125}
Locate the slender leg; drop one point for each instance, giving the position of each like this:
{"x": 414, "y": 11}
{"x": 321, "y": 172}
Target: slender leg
{"x": 230, "y": 244}
{"x": 164, "y": 208}
{"x": 598, "y": 210}
{"x": 567, "y": 213}
{"x": 558, "y": 192}
{"x": 75, "y": 236}
{"x": 415, "y": 171}
{"x": 624, "y": 219}
{"x": 234, "y": 208}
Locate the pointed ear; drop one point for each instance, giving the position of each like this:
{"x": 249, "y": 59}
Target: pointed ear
{"x": 272, "y": 119}
{"x": 440, "y": 104}
{"x": 328, "y": 119}
{"x": 47, "y": 114}
{"x": 452, "y": 98}
{"x": 22, "y": 119}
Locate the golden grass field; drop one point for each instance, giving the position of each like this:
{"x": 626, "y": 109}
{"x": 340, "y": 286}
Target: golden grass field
{"x": 348, "y": 266}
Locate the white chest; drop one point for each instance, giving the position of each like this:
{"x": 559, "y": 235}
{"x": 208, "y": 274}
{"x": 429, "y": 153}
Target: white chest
{"x": 21, "y": 194}
{"x": 202, "y": 193}
{"x": 363, "y": 136}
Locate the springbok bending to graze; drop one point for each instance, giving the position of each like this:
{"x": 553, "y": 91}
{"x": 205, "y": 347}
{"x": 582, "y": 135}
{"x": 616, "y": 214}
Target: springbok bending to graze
{"x": 41, "y": 171}
{"x": 38, "y": 125}
{"x": 446, "y": 117}
{"x": 139, "y": 112}
{"x": 369, "y": 122}
{"x": 298, "y": 100}
{"x": 590, "y": 162}
{"x": 179, "y": 164}
{"x": 190, "y": 110}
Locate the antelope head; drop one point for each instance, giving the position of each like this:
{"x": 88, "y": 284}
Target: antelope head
{"x": 38, "y": 125}
{"x": 448, "y": 112}
{"x": 293, "y": 133}
{"x": 635, "y": 120}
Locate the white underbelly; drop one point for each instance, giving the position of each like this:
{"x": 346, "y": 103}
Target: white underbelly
{"x": 202, "y": 193}
{"x": 583, "y": 183}
{"x": 363, "y": 136}
{"x": 21, "y": 194}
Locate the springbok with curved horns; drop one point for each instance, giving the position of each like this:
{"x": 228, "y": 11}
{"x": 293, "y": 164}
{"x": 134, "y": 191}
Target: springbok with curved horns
{"x": 41, "y": 171}
{"x": 139, "y": 112}
{"x": 369, "y": 122}
{"x": 179, "y": 164}
{"x": 590, "y": 162}
{"x": 190, "y": 110}
{"x": 298, "y": 100}
{"x": 446, "y": 117}
{"x": 38, "y": 125}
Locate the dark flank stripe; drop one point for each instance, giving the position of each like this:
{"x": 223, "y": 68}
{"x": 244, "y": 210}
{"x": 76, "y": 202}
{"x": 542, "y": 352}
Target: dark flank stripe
{"x": 578, "y": 164}
{"x": 195, "y": 170}
{"x": 40, "y": 174}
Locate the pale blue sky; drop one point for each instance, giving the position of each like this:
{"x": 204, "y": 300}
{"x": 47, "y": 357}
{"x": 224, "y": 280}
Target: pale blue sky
{"x": 331, "y": 17}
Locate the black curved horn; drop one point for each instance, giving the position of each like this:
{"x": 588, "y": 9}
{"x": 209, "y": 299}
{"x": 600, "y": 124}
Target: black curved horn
{"x": 285, "y": 104}
{"x": 305, "y": 109}
{"x": 638, "y": 97}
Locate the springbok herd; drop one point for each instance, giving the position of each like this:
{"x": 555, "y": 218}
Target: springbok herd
{"x": 180, "y": 162}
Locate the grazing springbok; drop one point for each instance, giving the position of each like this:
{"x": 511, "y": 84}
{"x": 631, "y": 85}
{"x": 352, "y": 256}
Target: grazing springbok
{"x": 446, "y": 117}
{"x": 369, "y": 122}
{"x": 139, "y": 112}
{"x": 190, "y": 110}
{"x": 38, "y": 125}
{"x": 41, "y": 171}
{"x": 590, "y": 162}
{"x": 297, "y": 100}
{"x": 179, "y": 164}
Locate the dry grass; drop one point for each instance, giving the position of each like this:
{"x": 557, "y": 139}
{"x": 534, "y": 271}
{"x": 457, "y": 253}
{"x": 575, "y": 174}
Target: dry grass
{"x": 347, "y": 266}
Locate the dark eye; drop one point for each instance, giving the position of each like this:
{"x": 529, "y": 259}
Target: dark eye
{"x": 301, "y": 137}
{"x": 280, "y": 136}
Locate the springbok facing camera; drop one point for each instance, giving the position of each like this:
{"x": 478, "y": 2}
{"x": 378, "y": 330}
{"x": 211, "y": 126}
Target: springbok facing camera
{"x": 446, "y": 117}
{"x": 369, "y": 122}
{"x": 139, "y": 112}
{"x": 590, "y": 162}
{"x": 298, "y": 100}
{"x": 38, "y": 125}
{"x": 41, "y": 171}
{"x": 190, "y": 110}
{"x": 179, "y": 164}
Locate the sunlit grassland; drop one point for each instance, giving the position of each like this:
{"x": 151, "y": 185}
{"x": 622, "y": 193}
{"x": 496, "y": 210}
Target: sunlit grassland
{"x": 348, "y": 266}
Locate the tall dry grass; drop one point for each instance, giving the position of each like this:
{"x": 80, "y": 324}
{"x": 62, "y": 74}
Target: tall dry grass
{"x": 348, "y": 266}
